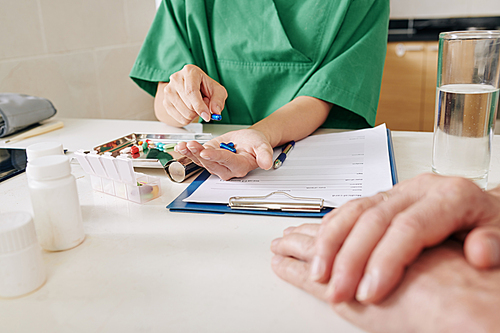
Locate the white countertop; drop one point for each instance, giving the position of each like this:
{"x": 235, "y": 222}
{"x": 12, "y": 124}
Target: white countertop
{"x": 144, "y": 269}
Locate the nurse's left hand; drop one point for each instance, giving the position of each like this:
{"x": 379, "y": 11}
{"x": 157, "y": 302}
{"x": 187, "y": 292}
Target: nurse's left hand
{"x": 253, "y": 150}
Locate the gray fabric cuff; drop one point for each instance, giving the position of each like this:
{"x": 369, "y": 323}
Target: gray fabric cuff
{"x": 20, "y": 111}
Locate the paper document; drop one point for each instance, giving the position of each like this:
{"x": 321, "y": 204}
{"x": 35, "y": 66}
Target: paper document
{"x": 336, "y": 167}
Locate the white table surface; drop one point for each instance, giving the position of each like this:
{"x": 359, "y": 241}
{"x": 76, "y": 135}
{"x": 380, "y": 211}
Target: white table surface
{"x": 144, "y": 269}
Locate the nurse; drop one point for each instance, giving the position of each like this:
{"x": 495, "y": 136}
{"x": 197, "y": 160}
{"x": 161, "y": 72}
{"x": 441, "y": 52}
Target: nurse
{"x": 284, "y": 67}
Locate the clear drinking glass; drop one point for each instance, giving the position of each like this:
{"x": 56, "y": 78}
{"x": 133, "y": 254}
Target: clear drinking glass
{"x": 467, "y": 92}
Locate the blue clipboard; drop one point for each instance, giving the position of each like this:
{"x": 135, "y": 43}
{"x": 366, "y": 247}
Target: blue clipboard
{"x": 178, "y": 205}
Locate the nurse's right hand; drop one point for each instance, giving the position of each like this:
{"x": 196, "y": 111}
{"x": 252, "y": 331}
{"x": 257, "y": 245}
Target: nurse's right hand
{"x": 189, "y": 94}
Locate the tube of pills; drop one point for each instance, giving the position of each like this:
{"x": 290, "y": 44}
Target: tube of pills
{"x": 181, "y": 169}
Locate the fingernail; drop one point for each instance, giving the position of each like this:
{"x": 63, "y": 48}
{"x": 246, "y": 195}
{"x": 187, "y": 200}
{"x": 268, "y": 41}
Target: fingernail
{"x": 192, "y": 148}
{"x": 330, "y": 290}
{"x": 317, "y": 268}
{"x": 288, "y": 230}
{"x": 182, "y": 151}
{"x": 204, "y": 156}
{"x": 218, "y": 109}
{"x": 366, "y": 287}
{"x": 205, "y": 116}
{"x": 495, "y": 251}
{"x": 275, "y": 243}
{"x": 277, "y": 259}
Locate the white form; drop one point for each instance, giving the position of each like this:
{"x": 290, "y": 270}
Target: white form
{"x": 337, "y": 167}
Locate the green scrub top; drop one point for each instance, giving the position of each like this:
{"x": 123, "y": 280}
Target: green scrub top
{"x": 267, "y": 52}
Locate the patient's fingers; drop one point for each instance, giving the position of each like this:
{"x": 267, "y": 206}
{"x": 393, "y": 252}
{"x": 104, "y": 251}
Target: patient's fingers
{"x": 296, "y": 272}
{"x": 336, "y": 226}
{"x": 482, "y": 247}
{"x": 310, "y": 229}
{"x": 357, "y": 248}
{"x": 295, "y": 245}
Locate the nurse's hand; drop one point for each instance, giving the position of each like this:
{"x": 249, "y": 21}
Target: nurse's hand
{"x": 253, "y": 150}
{"x": 189, "y": 93}
{"x": 364, "y": 247}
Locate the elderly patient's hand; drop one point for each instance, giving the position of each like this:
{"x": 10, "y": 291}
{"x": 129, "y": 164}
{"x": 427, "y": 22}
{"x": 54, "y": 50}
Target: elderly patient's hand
{"x": 440, "y": 291}
{"x": 365, "y": 245}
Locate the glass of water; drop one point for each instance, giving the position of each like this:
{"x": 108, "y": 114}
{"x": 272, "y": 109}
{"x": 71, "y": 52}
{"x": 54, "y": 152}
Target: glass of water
{"x": 466, "y": 103}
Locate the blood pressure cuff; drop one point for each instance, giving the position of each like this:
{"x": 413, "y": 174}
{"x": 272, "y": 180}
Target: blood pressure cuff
{"x": 18, "y": 112}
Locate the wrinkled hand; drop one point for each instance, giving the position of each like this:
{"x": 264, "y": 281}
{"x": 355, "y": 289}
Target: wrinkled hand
{"x": 364, "y": 246}
{"x": 440, "y": 291}
{"x": 191, "y": 93}
{"x": 252, "y": 151}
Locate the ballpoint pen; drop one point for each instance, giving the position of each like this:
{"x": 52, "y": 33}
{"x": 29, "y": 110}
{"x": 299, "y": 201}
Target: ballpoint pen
{"x": 284, "y": 154}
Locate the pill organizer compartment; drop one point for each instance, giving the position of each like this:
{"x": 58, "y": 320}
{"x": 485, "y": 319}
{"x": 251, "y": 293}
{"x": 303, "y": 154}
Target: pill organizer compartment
{"x": 116, "y": 176}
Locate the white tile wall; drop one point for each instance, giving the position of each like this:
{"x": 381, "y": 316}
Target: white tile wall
{"x": 129, "y": 102}
{"x": 138, "y": 19}
{"x": 76, "y": 53}
{"x": 63, "y": 79}
{"x": 83, "y": 24}
{"x": 20, "y": 37}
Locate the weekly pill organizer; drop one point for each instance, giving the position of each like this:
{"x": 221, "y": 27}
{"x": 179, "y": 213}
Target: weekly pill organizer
{"x": 116, "y": 176}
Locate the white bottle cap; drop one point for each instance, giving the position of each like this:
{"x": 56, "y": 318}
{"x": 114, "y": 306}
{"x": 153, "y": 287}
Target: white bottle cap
{"x": 49, "y": 167}
{"x": 21, "y": 264}
{"x": 44, "y": 149}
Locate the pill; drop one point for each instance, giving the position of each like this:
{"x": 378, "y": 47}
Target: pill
{"x": 216, "y": 117}
{"x": 227, "y": 147}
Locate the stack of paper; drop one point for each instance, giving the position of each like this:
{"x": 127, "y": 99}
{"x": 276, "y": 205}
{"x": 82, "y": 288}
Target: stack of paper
{"x": 336, "y": 167}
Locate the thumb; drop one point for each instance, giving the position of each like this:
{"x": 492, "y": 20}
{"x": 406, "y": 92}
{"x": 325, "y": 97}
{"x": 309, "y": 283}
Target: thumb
{"x": 482, "y": 247}
{"x": 264, "y": 156}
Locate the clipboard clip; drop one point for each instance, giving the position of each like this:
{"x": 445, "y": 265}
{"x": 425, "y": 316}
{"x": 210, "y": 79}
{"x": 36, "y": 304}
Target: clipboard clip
{"x": 303, "y": 204}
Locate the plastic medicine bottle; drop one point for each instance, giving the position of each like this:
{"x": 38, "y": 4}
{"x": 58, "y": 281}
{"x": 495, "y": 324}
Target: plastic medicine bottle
{"x": 54, "y": 196}
{"x": 41, "y": 149}
{"x": 21, "y": 264}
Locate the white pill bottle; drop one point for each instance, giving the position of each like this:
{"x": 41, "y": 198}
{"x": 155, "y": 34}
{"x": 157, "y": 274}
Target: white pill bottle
{"x": 21, "y": 264}
{"x": 56, "y": 208}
